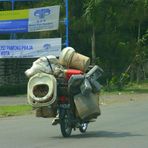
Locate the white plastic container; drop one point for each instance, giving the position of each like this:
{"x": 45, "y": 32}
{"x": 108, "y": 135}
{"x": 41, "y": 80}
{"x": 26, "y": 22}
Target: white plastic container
{"x": 42, "y": 90}
{"x": 66, "y": 56}
{"x": 72, "y": 59}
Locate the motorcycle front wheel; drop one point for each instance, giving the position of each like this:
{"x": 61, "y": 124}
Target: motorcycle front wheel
{"x": 83, "y": 127}
{"x": 65, "y": 124}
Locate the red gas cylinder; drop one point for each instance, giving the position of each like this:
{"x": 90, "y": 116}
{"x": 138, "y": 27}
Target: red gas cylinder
{"x": 70, "y": 72}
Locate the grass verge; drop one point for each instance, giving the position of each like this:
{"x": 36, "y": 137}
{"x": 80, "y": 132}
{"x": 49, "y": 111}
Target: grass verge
{"x": 6, "y": 111}
{"x": 131, "y": 92}
{"x": 130, "y": 88}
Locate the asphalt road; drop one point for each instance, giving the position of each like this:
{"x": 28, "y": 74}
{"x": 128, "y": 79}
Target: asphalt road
{"x": 121, "y": 125}
{"x": 13, "y": 100}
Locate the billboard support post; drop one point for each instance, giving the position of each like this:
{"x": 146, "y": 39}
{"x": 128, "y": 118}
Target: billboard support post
{"x": 67, "y": 23}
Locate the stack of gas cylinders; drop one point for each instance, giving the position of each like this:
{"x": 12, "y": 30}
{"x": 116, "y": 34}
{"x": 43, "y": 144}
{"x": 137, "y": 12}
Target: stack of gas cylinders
{"x": 69, "y": 76}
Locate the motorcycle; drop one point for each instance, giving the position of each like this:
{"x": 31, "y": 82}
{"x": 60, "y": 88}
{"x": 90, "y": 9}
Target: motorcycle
{"x": 71, "y": 97}
{"x": 67, "y": 116}
{"x": 67, "y": 112}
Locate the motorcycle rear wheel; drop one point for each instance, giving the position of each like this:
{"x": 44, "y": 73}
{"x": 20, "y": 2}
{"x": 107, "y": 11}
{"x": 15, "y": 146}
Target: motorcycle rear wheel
{"x": 65, "y": 125}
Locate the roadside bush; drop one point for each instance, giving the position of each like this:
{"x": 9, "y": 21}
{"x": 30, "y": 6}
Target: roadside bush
{"x": 8, "y": 90}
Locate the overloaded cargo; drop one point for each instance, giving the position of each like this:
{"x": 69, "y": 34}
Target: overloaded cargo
{"x": 49, "y": 65}
{"x": 87, "y": 107}
{"x": 52, "y": 79}
{"x": 42, "y": 90}
{"x": 71, "y": 59}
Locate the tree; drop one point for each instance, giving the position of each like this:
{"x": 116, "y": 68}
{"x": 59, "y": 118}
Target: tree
{"x": 91, "y": 15}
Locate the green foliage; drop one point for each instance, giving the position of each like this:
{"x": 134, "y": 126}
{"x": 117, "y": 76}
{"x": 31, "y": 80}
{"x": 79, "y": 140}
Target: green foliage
{"x": 7, "y": 90}
{"x": 91, "y": 13}
{"x": 137, "y": 88}
{"x": 121, "y": 31}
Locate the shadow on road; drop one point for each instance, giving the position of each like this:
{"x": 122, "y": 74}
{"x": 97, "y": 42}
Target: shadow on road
{"x": 102, "y": 134}
{"x": 106, "y": 134}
